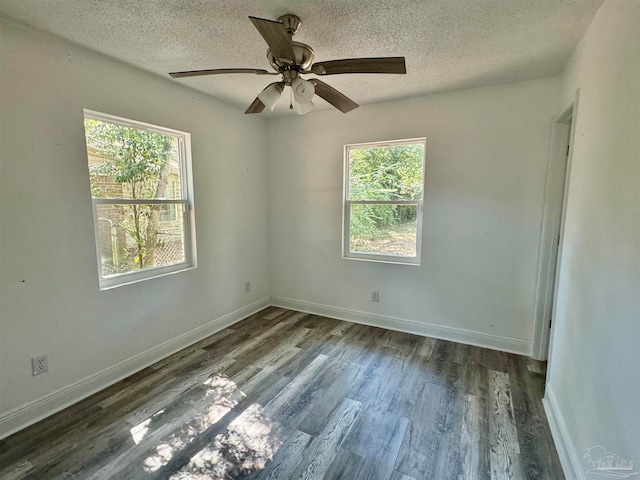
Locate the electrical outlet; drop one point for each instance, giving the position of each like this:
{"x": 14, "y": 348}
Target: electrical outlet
{"x": 40, "y": 364}
{"x": 375, "y": 296}
{"x": 247, "y": 287}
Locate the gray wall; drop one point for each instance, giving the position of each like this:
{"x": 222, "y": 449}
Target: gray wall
{"x": 49, "y": 297}
{"x": 594, "y": 373}
{"x": 486, "y": 158}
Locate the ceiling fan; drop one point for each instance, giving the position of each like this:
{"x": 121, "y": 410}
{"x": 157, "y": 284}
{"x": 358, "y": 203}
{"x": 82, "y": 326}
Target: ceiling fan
{"x": 291, "y": 59}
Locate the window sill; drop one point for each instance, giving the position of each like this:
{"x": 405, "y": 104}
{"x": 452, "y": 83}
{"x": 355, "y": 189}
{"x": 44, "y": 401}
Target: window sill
{"x": 137, "y": 277}
{"x": 363, "y": 257}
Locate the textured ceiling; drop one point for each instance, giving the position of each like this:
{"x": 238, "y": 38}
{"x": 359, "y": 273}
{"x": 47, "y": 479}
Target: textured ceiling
{"x": 448, "y": 44}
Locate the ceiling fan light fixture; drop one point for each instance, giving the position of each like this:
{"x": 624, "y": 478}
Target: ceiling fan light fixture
{"x": 271, "y": 94}
{"x": 303, "y": 90}
{"x": 304, "y": 108}
{"x": 289, "y": 59}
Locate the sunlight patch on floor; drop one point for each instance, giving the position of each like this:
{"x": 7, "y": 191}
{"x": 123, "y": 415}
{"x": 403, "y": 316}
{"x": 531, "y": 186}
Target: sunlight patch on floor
{"x": 221, "y": 395}
{"x": 249, "y": 443}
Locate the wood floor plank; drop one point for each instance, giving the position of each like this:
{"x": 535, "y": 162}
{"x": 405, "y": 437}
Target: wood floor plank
{"x": 379, "y": 382}
{"x": 264, "y": 319}
{"x": 286, "y": 459}
{"x": 341, "y": 328}
{"x": 275, "y": 313}
{"x": 399, "y": 342}
{"x": 402, "y": 476}
{"x": 412, "y": 381}
{"x": 321, "y": 333}
{"x": 311, "y": 409}
{"x": 297, "y": 385}
{"x": 282, "y": 343}
{"x": 534, "y": 435}
{"x": 173, "y": 390}
{"x": 475, "y": 379}
{"x": 323, "y": 449}
{"x": 153, "y": 380}
{"x": 16, "y": 471}
{"x": 345, "y": 465}
{"x": 277, "y": 355}
{"x": 376, "y": 436}
{"x": 505, "y": 449}
{"x": 536, "y": 366}
{"x": 262, "y": 338}
{"x": 358, "y": 345}
{"x": 285, "y": 394}
{"x": 431, "y": 442}
{"x": 471, "y": 439}
{"x": 172, "y": 359}
{"x": 315, "y": 406}
{"x": 426, "y": 347}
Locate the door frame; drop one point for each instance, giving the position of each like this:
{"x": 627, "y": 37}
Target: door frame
{"x": 552, "y": 229}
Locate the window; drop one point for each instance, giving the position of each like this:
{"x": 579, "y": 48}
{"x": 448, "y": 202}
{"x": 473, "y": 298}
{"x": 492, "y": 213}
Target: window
{"x": 383, "y": 185}
{"x": 168, "y": 212}
{"x": 140, "y": 187}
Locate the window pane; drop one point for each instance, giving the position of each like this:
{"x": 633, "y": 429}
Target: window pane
{"x": 391, "y": 172}
{"x": 133, "y": 237}
{"x": 383, "y": 229}
{"x": 127, "y": 162}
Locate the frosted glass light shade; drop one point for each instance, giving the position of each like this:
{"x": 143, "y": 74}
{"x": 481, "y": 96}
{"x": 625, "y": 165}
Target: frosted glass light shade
{"x": 270, "y": 95}
{"x": 303, "y": 91}
{"x": 302, "y": 108}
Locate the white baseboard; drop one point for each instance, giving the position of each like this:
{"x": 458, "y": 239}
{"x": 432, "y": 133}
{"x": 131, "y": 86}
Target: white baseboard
{"x": 567, "y": 452}
{"x": 494, "y": 342}
{"x": 34, "y": 411}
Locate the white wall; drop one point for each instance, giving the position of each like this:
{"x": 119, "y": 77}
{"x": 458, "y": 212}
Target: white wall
{"x": 487, "y": 152}
{"x": 594, "y": 374}
{"x": 49, "y": 297}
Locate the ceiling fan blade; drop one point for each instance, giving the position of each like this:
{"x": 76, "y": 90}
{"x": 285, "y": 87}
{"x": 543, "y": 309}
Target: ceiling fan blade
{"x": 256, "y": 106}
{"x": 333, "y": 96}
{"x": 360, "y": 65}
{"x": 276, "y": 36}
{"x": 217, "y": 71}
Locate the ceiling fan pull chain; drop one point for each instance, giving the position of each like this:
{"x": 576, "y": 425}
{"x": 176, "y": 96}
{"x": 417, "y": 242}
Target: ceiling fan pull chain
{"x": 291, "y": 99}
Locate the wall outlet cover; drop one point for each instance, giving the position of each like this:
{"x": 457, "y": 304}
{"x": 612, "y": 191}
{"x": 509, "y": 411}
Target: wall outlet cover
{"x": 39, "y": 365}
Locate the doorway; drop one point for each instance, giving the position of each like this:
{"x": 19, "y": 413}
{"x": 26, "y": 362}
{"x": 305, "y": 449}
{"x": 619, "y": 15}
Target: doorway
{"x": 555, "y": 198}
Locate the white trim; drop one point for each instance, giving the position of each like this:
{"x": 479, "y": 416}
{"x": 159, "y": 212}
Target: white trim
{"x": 34, "y": 411}
{"x": 137, "y": 276}
{"x": 347, "y": 254}
{"x": 554, "y": 325}
{"x": 187, "y": 200}
{"x": 552, "y": 227}
{"x": 384, "y": 202}
{"x": 138, "y": 201}
{"x": 569, "y": 459}
{"x": 392, "y": 259}
{"x": 127, "y": 122}
{"x": 468, "y": 337}
{"x": 387, "y": 143}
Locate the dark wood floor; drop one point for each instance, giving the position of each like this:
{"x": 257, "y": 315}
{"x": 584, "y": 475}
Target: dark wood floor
{"x": 284, "y": 394}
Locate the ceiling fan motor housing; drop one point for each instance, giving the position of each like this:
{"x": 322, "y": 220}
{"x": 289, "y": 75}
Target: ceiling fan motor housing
{"x": 303, "y": 58}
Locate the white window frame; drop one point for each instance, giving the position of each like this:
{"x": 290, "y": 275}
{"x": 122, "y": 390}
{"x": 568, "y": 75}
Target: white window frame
{"x": 186, "y": 203}
{"x": 346, "y": 209}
